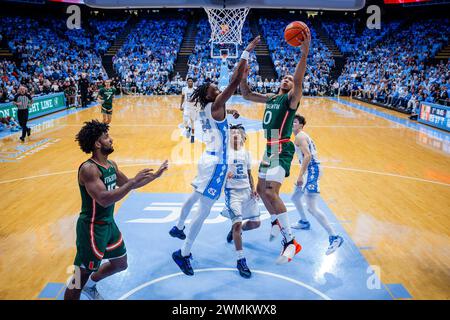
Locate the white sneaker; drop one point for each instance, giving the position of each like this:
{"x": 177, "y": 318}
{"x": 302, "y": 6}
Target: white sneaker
{"x": 335, "y": 242}
{"x": 301, "y": 225}
{"x": 92, "y": 293}
{"x": 187, "y": 132}
{"x": 290, "y": 249}
{"x": 275, "y": 230}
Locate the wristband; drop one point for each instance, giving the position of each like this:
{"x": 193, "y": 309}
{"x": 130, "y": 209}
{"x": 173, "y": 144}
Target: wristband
{"x": 245, "y": 55}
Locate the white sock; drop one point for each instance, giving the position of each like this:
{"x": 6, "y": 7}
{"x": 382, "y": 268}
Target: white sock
{"x": 240, "y": 254}
{"x": 297, "y": 200}
{"x": 90, "y": 283}
{"x": 311, "y": 201}
{"x": 273, "y": 217}
{"x": 186, "y": 209}
{"x": 204, "y": 209}
{"x": 286, "y": 231}
{"x": 186, "y": 247}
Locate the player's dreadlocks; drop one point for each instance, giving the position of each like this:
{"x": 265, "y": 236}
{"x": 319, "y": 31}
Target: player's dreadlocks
{"x": 199, "y": 95}
{"x": 91, "y": 131}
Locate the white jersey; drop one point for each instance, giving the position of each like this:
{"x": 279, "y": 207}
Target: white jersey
{"x": 212, "y": 167}
{"x": 215, "y": 133}
{"x": 239, "y": 162}
{"x": 187, "y": 93}
{"x": 312, "y": 150}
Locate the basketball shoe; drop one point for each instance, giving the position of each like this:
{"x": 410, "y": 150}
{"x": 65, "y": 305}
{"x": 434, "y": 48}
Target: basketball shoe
{"x": 290, "y": 249}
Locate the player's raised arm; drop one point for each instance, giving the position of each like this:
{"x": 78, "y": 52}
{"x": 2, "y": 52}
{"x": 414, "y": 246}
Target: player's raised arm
{"x": 296, "y": 93}
{"x": 248, "y": 94}
{"x": 238, "y": 73}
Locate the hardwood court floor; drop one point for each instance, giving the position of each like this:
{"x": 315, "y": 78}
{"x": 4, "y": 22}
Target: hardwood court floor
{"x": 388, "y": 185}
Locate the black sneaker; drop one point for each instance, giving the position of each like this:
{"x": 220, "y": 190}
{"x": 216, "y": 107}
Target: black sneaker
{"x": 192, "y": 138}
{"x": 244, "y": 271}
{"x": 28, "y": 131}
{"x": 22, "y": 139}
{"x": 230, "y": 236}
{"x": 177, "y": 233}
{"x": 183, "y": 262}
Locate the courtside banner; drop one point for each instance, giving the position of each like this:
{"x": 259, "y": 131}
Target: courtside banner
{"x": 435, "y": 115}
{"x": 42, "y": 105}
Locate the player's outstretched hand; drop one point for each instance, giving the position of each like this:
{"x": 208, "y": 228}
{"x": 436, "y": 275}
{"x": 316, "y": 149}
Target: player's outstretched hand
{"x": 252, "y": 45}
{"x": 164, "y": 166}
{"x": 141, "y": 178}
{"x": 305, "y": 45}
{"x": 146, "y": 176}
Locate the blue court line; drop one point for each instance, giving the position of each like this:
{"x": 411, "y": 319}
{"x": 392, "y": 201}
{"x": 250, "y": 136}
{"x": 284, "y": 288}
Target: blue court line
{"x": 435, "y": 133}
{"x": 51, "y": 290}
{"x": 398, "y": 291}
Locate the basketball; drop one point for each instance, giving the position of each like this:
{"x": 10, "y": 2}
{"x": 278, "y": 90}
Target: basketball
{"x": 293, "y": 33}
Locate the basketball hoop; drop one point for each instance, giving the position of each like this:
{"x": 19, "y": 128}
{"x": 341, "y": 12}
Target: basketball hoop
{"x": 227, "y": 23}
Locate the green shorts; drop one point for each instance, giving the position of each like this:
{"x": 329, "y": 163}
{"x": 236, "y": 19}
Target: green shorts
{"x": 107, "y": 109}
{"x": 273, "y": 160}
{"x": 97, "y": 241}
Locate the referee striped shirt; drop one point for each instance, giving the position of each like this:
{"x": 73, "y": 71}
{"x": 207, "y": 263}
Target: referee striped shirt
{"x": 24, "y": 101}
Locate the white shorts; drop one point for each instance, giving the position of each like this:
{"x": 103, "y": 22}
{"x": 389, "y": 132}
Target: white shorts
{"x": 240, "y": 205}
{"x": 276, "y": 174}
{"x": 211, "y": 176}
{"x": 189, "y": 112}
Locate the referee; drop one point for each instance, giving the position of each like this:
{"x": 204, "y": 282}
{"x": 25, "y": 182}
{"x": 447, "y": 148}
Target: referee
{"x": 23, "y": 101}
{"x": 83, "y": 85}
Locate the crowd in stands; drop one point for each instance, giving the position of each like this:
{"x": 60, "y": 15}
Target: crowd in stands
{"x": 286, "y": 57}
{"x": 349, "y": 39}
{"x": 106, "y": 32}
{"x": 393, "y": 72}
{"x": 389, "y": 66}
{"x": 146, "y": 59}
{"x": 50, "y": 59}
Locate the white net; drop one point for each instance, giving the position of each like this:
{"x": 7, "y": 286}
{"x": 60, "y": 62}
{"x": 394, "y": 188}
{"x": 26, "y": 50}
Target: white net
{"x": 227, "y": 23}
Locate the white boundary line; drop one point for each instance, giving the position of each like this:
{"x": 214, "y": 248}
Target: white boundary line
{"x": 149, "y": 283}
{"x": 159, "y": 162}
{"x": 387, "y": 174}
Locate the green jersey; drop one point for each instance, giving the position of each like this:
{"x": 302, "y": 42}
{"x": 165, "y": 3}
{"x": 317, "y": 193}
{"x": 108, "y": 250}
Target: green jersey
{"x": 278, "y": 118}
{"x": 91, "y": 210}
{"x": 107, "y": 96}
